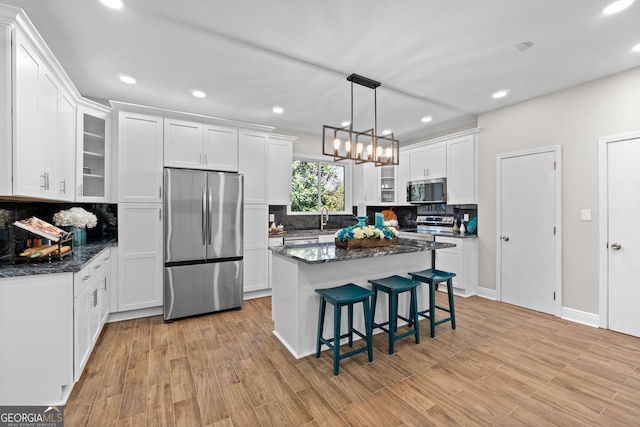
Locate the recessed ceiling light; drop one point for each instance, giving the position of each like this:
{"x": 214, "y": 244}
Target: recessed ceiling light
{"x": 127, "y": 79}
{"x": 278, "y": 110}
{"x": 500, "y": 94}
{"x": 426, "y": 119}
{"x": 617, "y": 6}
{"x": 113, "y": 4}
{"x": 345, "y": 124}
{"x": 636, "y": 48}
{"x": 387, "y": 132}
{"x": 198, "y": 93}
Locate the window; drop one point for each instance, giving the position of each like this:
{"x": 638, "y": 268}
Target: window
{"x": 317, "y": 184}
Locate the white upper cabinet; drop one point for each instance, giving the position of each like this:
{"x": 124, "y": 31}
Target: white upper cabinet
{"x": 418, "y": 163}
{"x": 280, "y": 156}
{"x": 200, "y": 146}
{"x": 182, "y": 144}
{"x": 366, "y": 184}
{"x": 404, "y": 175}
{"x": 35, "y": 95}
{"x": 220, "y": 148}
{"x": 429, "y": 161}
{"x": 66, "y": 149}
{"x": 436, "y": 160}
{"x": 93, "y": 155}
{"x": 253, "y": 165}
{"x": 140, "y": 146}
{"x": 461, "y": 171}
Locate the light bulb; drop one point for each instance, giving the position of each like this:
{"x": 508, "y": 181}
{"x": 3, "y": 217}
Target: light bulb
{"x": 347, "y": 146}
{"x": 378, "y": 152}
{"x": 336, "y": 144}
{"x": 388, "y": 153}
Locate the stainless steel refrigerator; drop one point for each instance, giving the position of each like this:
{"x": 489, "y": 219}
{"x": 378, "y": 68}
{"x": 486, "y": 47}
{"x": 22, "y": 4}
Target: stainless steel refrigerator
{"x": 203, "y": 242}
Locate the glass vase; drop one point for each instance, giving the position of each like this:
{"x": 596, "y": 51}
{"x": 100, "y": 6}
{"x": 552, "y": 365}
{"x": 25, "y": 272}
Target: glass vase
{"x": 79, "y": 236}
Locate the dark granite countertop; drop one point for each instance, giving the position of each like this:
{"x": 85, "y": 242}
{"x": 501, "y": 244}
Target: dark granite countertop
{"x": 69, "y": 264}
{"x": 327, "y": 252}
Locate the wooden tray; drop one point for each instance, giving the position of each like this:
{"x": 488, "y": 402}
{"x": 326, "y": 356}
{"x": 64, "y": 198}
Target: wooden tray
{"x": 365, "y": 243}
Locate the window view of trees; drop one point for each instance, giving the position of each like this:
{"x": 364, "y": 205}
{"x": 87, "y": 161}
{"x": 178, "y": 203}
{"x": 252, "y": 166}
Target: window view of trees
{"x": 315, "y": 185}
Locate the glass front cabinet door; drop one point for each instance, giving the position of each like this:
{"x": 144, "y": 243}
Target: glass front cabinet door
{"x": 93, "y": 155}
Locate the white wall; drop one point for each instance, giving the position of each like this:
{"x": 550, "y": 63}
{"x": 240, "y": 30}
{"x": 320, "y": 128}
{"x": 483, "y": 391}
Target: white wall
{"x": 306, "y": 143}
{"x": 574, "y": 118}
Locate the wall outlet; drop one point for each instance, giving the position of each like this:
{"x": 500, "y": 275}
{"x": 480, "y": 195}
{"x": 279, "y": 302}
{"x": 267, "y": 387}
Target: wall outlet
{"x": 585, "y": 214}
{"x": 465, "y": 217}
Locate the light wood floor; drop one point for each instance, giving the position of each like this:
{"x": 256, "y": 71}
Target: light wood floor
{"x": 504, "y": 366}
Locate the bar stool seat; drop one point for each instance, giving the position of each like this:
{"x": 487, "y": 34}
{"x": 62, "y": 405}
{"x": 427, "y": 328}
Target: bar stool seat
{"x": 432, "y": 278}
{"x": 393, "y": 286}
{"x": 340, "y": 296}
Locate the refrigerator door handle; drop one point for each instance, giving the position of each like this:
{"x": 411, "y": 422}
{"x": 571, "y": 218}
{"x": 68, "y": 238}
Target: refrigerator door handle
{"x": 204, "y": 215}
{"x": 209, "y": 215}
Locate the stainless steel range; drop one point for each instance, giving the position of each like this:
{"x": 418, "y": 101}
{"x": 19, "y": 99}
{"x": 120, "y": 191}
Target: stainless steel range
{"x": 434, "y": 224}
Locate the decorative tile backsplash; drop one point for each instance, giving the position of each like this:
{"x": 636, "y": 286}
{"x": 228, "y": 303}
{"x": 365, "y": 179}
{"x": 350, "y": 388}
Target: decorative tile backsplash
{"x": 406, "y": 217}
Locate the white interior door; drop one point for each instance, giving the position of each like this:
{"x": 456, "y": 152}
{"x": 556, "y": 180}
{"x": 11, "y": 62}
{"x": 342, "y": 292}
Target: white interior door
{"x": 527, "y": 247}
{"x": 623, "y": 249}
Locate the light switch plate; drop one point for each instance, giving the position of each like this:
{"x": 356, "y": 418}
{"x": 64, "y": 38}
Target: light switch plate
{"x": 585, "y": 214}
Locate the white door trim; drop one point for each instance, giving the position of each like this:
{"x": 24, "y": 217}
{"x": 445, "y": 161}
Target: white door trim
{"x": 603, "y": 220}
{"x": 557, "y": 149}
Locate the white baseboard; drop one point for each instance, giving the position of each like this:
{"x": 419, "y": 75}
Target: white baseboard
{"x": 134, "y": 314}
{"x": 487, "y": 293}
{"x": 589, "y": 319}
{"x": 257, "y": 294}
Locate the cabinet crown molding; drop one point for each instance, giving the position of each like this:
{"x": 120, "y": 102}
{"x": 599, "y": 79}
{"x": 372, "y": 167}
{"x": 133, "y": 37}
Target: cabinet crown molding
{"x": 473, "y": 131}
{"x": 181, "y": 115}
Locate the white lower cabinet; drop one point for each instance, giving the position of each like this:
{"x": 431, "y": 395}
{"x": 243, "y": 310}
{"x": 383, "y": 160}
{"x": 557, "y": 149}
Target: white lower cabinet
{"x": 36, "y": 332}
{"x": 461, "y": 260}
{"x": 273, "y": 242}
{"x": 255, "y": 265}
{"x": 140, "y": 255}
{"x": 90, "y": 307}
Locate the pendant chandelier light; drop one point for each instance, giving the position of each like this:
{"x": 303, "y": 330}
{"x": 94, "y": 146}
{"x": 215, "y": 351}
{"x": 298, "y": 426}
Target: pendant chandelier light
{"x": 344, "y": 143}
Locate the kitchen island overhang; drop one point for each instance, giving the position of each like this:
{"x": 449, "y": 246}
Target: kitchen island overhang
{"x": 298, "y": 271}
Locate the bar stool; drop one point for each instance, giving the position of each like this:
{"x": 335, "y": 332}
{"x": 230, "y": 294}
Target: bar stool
{"x": 393, "y": 286}
{"x": 340, "y": 296}
{"x": 432, "y": 278}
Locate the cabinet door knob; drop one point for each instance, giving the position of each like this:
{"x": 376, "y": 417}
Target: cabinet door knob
{"x": 505, "y": 238}
{"x": 616, "y": 246}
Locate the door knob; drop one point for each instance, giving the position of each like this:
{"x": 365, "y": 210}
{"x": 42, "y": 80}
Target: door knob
{"x": 505, "y": 238}
{"x": 616, "y": 246}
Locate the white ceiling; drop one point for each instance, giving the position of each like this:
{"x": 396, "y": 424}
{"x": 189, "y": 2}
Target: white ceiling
{"x": 434, "y": 58}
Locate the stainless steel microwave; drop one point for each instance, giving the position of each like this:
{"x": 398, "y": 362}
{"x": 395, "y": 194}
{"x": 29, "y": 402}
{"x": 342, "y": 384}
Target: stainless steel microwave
{"x": 427, "y": 191}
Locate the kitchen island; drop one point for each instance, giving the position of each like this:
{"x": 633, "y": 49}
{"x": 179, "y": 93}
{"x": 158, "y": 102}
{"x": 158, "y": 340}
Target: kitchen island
{"x": 297, "y": 271}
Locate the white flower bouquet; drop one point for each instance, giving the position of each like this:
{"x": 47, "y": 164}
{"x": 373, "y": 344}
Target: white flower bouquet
{"x": 75, "y": 217}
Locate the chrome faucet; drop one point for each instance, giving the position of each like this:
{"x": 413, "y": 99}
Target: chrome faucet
{"x": 324, "y": 219}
